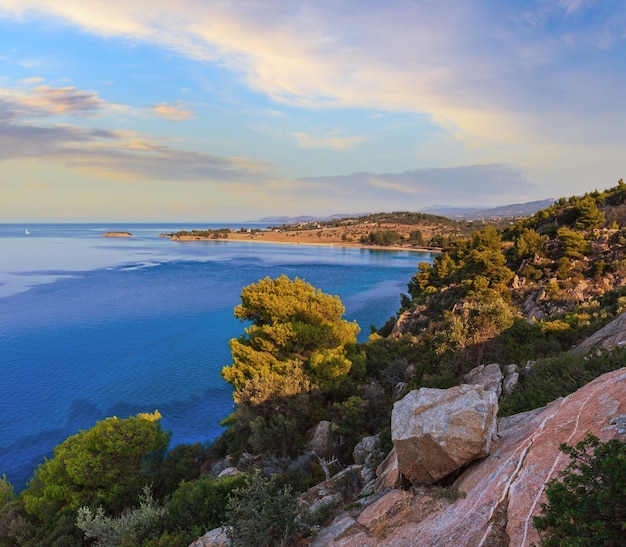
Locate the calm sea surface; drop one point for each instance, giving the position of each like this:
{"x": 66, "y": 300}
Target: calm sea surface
{"x": 92, "y": 327}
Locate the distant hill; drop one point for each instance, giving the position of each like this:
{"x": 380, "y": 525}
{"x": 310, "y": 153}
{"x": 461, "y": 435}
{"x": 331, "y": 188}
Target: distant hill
{"x": 516, "y": 210}
{"x": 303, "y": 218}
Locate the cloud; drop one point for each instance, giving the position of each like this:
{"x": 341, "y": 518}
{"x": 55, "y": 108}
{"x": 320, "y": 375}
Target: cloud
{"x": 49, "y": 101}
{"x": 33, "y": 80}
{"x": 481, "y": 73}
{"x": 472, "y": 184}
{"x": 120, "y": 154}
{"x": 172, "y": 112}
{"x": 534, "y": 83}
{"x": 333, "y": 142}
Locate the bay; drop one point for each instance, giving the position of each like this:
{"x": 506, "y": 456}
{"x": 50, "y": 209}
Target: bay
{"x": 92, "y": 327}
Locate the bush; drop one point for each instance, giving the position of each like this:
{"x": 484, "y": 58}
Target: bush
{"x": 200, "y": 505}
{"x": 558, "y": 377}
{"x": 587, "y": 506}
{"x": 261, "y": 514}
{"x": 127, "y": 529}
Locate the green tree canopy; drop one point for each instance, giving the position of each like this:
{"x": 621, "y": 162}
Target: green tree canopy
{"x": 297, "y": 338}
{"x": 106, "y": 465}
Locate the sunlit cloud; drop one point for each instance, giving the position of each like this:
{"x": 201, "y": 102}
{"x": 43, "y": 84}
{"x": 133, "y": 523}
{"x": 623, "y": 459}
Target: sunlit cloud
{"x": 48, "y": 101}
{"x": 332, "y": 142}
{"x": 172, "y": 111}
{"x": 33, "y": 80}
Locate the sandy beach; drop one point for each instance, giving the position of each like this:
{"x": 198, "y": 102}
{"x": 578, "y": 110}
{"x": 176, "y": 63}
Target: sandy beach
{"x": 336, "y": 237}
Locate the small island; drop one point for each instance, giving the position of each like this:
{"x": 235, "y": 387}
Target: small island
{"x": 117, "y": 234}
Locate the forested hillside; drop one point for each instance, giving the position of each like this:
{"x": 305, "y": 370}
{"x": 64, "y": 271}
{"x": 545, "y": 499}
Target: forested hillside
{"x": 306, "y": 393}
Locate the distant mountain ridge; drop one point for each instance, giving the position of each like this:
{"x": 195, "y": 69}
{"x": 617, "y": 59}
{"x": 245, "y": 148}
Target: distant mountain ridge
{"x": 515, "y": 210}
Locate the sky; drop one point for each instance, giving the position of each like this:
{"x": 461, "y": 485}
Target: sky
{"x": 221, "y": 110}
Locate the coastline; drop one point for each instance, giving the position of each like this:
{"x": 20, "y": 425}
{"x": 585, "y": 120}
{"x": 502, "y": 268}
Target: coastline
{"x": 304, "y": 237}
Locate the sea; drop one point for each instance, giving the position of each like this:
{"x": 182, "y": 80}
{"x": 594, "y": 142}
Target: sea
{"x": 93, "y": 326}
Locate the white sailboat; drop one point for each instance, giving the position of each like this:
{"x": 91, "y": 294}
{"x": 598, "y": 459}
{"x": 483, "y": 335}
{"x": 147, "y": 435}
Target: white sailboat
{"x": 27, "y": 232}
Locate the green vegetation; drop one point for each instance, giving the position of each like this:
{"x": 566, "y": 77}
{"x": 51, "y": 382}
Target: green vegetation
{"x": 129, "y": 528}
{"x": 587, "y": 503}
{"x": 550, "y": 379}
{"x": 261, "y": 514}
{"x": 383, "y": 238}
{"x": 219, "y": 233}
{"x": 107, "y": 465}
{"x": 296, "y": 329}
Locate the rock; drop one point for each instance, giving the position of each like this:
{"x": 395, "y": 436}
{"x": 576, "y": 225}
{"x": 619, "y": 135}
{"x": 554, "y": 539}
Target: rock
{"x": 610, "y": 336}
{"x": 220, "y": 465}
{"x": 437, "y": 431}
{"x": 505, "y": 490}
{"x": 341, "y": 488}
{"x": 387, "y": 473}
{"x": 214, "y": 538}
{"x": 489, "y": 377}
{"x": 398, "y": 389}
{"x": 229, "y": 472}
{"x": 381, "y": 509}
{"x": 511, "y": 377}
{"x": 321, "y": 439}
{"x": 331, "y": 532}
{"x": 366, "y": 449}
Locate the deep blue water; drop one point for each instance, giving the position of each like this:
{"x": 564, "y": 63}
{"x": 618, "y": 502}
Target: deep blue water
{"x": 92, "y": 327}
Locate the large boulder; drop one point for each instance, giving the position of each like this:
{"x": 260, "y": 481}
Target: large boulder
{"x": 437, "y": 431}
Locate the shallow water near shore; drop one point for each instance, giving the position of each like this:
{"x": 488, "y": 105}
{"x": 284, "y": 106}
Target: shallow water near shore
{"x": 92, "y": 327}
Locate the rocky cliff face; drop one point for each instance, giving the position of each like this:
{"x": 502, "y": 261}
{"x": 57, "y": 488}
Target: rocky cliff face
{"x": 502, "y": 491}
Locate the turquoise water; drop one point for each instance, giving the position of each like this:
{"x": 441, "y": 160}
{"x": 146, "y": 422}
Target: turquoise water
{"x": 92, "y": 327}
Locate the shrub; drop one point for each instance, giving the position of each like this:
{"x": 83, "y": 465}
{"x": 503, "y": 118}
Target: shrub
{"x": 261, "y": 514}
{"x": 127, "y": 529}
{"x": 587, "y": 506}
{"x": 200, "y": 505}
{"x": 558, "y": 377}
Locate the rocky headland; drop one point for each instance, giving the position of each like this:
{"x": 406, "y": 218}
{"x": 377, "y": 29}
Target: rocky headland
{"x": 117, "y": 234}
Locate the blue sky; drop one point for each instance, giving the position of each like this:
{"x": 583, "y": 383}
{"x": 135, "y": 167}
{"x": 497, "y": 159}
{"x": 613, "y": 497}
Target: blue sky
{"x": 208, "y": 110}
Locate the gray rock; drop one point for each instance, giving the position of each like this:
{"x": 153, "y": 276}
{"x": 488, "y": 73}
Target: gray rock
{"x": 511, "y": 377}
{"x": 610, "y": 336}
{"x": 437, "y": 431}
{"x": 214, "y": 538}
{"x": 333, "y": 531}
{"x": 366, "y": 449}
{"x": 489, "y": 377}
{"x": 229, "y": 472}
{"x": 321, "y": 439}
